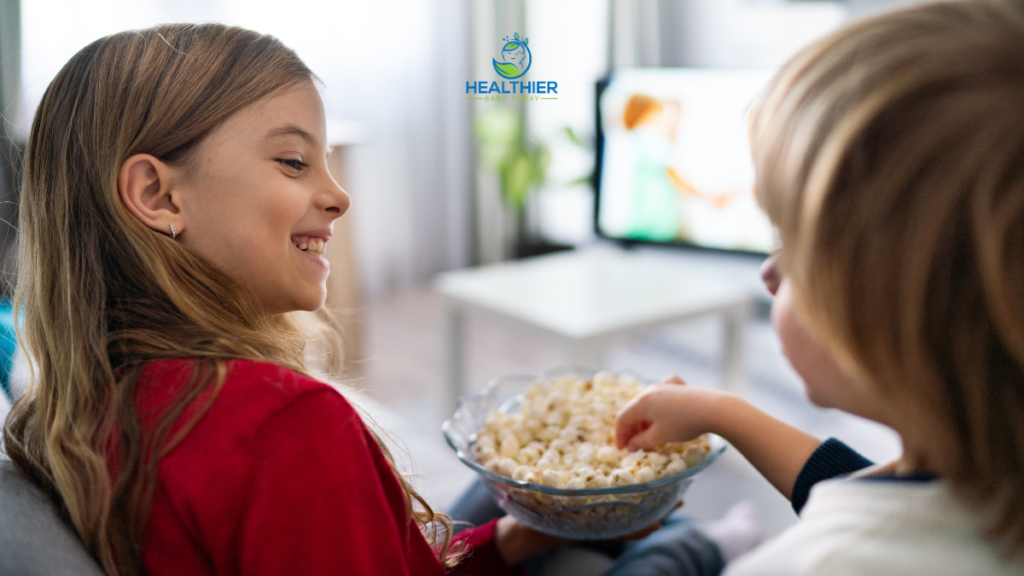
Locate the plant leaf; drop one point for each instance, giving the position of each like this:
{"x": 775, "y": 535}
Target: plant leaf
{"x": 587, "y": 179}
{"x": 572, "y": 136}
{"x": 506, "y": 70}
{"x": 518, "y": 180}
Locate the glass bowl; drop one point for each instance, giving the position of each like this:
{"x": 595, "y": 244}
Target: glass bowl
{"x": 580, "y": 514}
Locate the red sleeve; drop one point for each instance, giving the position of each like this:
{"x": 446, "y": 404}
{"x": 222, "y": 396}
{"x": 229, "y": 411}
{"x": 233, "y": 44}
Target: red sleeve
{"x": 482, "y": 555}
{"x": 323, "y": 500}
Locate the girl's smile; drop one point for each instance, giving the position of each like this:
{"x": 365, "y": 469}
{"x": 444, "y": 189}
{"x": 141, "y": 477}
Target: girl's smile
{"x": 260, "y": 203}
{"x": 312, "y": 245}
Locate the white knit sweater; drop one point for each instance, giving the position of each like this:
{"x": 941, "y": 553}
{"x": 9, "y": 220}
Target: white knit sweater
{"x": 878, "y": 527}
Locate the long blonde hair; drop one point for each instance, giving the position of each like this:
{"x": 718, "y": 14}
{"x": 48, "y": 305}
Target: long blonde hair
{"x": 891, "y": 157}
{"x": 102, "y": 293}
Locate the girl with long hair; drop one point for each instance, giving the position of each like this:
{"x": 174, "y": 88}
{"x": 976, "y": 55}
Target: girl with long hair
{"x": 174, "y": 211}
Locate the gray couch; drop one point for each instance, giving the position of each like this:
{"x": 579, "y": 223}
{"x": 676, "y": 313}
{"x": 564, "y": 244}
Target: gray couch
{"x": 33, "y": 540}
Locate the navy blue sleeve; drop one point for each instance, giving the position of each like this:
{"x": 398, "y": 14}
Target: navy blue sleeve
{"x": 831, "y": 459}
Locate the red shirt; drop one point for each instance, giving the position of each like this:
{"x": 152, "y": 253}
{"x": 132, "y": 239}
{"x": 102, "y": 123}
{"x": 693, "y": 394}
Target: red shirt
{"x": 281, "y": 476}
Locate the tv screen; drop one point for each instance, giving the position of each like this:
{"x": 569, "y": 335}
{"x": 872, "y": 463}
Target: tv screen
{"x": 673, "y": 161}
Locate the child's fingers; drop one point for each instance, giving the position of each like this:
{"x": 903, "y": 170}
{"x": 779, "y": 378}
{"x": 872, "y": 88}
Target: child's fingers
{"x": 646, "y": 439}
{"x": 628, "y": 422}
{"x": 622, "y": 434}
{"x": 640, "y": 413}
{"x": 627, "y": 428}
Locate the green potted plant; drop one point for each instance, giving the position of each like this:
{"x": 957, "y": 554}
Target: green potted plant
{"x": 519, "y": 164}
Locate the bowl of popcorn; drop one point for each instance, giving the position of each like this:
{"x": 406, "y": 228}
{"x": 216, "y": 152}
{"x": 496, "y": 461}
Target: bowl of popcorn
{"x": 545, "y": 447}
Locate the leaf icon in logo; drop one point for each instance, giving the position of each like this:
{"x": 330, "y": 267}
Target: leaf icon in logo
{"x": 505, "y": 69}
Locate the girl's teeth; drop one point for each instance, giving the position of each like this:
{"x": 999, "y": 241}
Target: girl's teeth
{"x": 312, "y": 246}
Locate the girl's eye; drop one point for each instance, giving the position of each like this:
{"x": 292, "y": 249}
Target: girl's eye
{"x": 293, "y": 164}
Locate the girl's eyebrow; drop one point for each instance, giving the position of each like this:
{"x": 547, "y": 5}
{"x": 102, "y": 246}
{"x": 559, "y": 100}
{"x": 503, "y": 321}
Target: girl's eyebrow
{"x": 291, "y": 130}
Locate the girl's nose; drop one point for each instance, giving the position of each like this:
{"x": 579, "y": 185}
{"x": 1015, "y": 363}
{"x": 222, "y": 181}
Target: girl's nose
{"x": 770, "y": 273}
{"x": 336, "y": 201}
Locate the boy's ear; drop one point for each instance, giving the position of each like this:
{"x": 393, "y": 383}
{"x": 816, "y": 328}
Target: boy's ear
{"x": 145, "y": 185}
{"x": 770, "y": 273}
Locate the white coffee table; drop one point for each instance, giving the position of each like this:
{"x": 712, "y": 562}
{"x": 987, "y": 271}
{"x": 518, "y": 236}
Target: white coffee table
{"x": 584, "y": 299}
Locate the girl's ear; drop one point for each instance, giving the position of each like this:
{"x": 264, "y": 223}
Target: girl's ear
{"x": 145, "y": 186}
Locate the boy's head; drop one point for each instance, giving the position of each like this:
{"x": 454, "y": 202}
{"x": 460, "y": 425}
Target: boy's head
{"x": 891, "y": 157}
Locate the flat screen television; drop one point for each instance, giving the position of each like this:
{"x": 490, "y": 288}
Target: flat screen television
{"x": 673, "y": 159}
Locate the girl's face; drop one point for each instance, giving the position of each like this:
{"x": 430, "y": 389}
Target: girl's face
{"x": 256, "y": 189}
{"x": 825, "y": 383}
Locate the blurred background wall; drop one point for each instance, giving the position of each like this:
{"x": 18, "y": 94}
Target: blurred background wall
{"x": 393, "y": 75}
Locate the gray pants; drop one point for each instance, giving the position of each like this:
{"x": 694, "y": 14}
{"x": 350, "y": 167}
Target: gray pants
{"x": 679, "y": 548}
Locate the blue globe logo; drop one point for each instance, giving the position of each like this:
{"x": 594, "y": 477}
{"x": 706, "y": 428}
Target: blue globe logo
{"x": 515, "y": 58}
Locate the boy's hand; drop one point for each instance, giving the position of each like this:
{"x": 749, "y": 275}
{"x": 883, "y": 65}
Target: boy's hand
{"x": 668, "y": 411}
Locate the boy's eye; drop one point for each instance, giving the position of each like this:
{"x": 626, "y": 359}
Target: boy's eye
{"x": 293, "y": 164}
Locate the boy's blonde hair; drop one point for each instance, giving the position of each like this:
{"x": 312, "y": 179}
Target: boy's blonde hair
{"x": 891, "y": 157}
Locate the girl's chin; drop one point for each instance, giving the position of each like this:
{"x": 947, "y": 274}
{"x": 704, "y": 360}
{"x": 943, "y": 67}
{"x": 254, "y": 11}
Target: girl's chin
{"x": 315, "y": 301}
{"x": 308, "y": 301}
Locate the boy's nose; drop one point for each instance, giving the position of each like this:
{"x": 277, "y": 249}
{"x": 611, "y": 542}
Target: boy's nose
{"x": 770, "y": 274}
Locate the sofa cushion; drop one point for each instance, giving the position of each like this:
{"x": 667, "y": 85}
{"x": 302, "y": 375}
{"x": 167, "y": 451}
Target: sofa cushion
{"x": 33, "y": 539}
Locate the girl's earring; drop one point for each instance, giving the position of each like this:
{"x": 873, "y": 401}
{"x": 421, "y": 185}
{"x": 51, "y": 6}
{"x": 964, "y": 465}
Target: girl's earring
{"x": 174, "y": 233}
